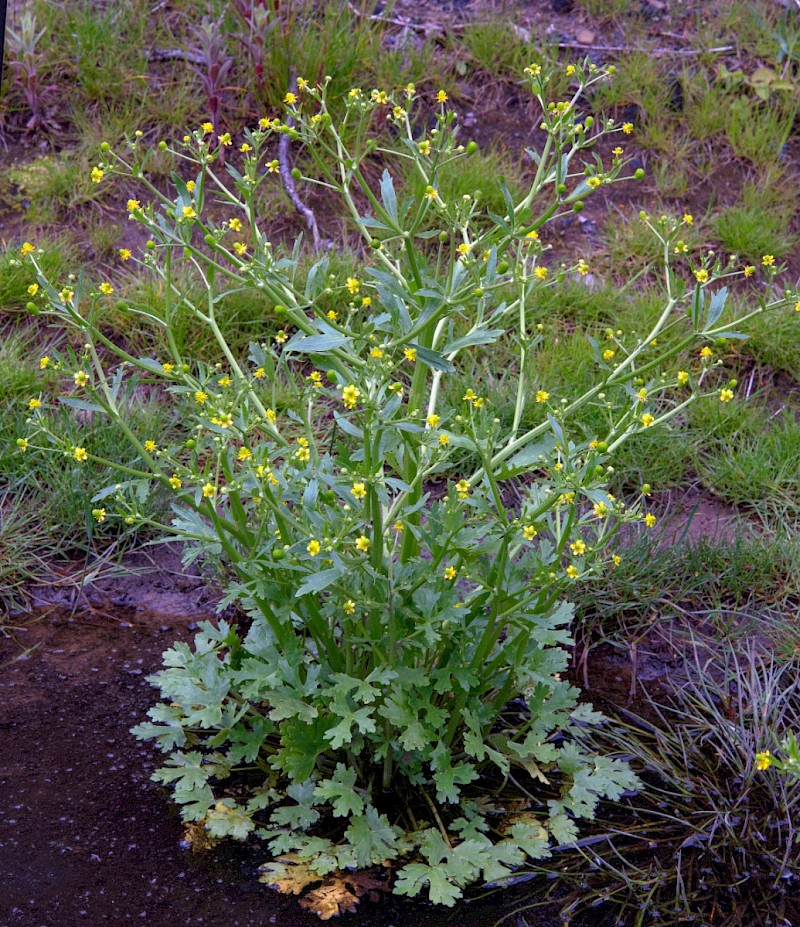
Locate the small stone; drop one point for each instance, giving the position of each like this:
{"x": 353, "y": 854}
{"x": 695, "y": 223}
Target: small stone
{"x": 585, "y": 37}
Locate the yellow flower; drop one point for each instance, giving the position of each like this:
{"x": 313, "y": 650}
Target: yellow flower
{"x": 683, "y": 377}
{"x": 725, "y": 395}
{"x": 542, "y": 395}
{"x": 617, "y": 152}
{"x": 706, "y": 352}
{"x": 224, "y": 381}
{"x": 578, "y": 547}
{"x": 188, "y": 212}
{"x": 175, "y": 481}
{"x": 209, "y": 491}
{"x": 225, "y": 139}
{"x": 431, "y": 193}
{"x": 271, "y": 415}
{"x": 124, "y": 254}
{"x": 768, "y": 260}
{"x": 259, "y": 373}
{"x": 66, "y": 295}
{"x": 27, "y": 248}
{"x": 702, "y": 275}
{"x": 34, "y": 404}
{"x": 106, "y": 289}
{"x": 763, "y": 760}
{"x": 133, "y": 205}
{"x": 33, "y": 289}
{"x": 608, "y": 354}
{"x": 349, "y": 607}
{"x": 797, "y": 307}
{"x": 470, "y": 396}
{"x": 97, "y": 175}
{"x": 362, "y": 543}
{"x": 273, "y": 166}
{"x": 617, "y": 559}
{"x": 290, "y": 99}
{"x": 462, "y": 488}
{"x": 450, "y": 573}
{"x": 681, "y": 248}
{"x": 244, "y": 453}
{"x": 22, "y": 444}
{"x": 200, "y": 397}
{"x": 240, "y": 248}
{"x": 190, "y": 185}
{"x": 350, "y": 396}
{"x": 444, "y": 440}
{"x": 529, "y": 532}
{"x": 353, "y": 284}
{"x": 236, "y": 225}
{"x": 399, "y": 527}
{"x": 79, "y": 453}
{"x": 315, "y": 379}
{"x": 748, "y": 270}
{"x": 150, "y": 446}
{"x": 688, "y": 218}
{"x": 593, "y": 182}
{"x": 376, "y": 353}
{"x": 425, "y": 147}
{"x": 642, "y": 394}
{"x": 464, "y": 248}
{"x": 583, "y": 267}
{"x": 358, "y": 491}
{"x": 441, "y": 97}
{"x": 541, "y": 273}
{"x": 245, "y": 148}
{"x": 207, "y": 127}
{"x": 627, "y": 127}
{"x": 572, "y": 571}
{"x": 410, "y": 354}
{"x": 600, "y": 509}
{"x": 647, "y": 420}
{"x": 533, "y": 235}
{"x": 649, "y": 520}
{"x": 99, "y": 515}
{"x": 432, "y": 420}
{"x": 81, "y": 378}
{"x": 44, "y": 362}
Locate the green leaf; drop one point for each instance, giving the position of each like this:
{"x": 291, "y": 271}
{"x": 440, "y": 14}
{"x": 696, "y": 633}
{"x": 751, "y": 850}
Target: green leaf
{"x": 412, "y": 878}
{"x": 341, "y": 734}
{"x": 447, "y": 777}
{"x": 479, "y": 336}
{"x": 226, "y": 819}
{"x": 316, "y": 344}
{"x": 82, "y": 405}
{"x": 316, "y": 582}
{"x": 372, "y": 838}
{"x": 434, "y": 360}
{"x": 340, "y": 791}
{"x": 389, "y": 197}
{"x": 716, "y": 306}
{"x": 563, "y": 830}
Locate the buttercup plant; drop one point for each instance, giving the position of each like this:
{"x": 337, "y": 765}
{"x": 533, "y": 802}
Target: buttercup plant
{"x": 400, "y": 675}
